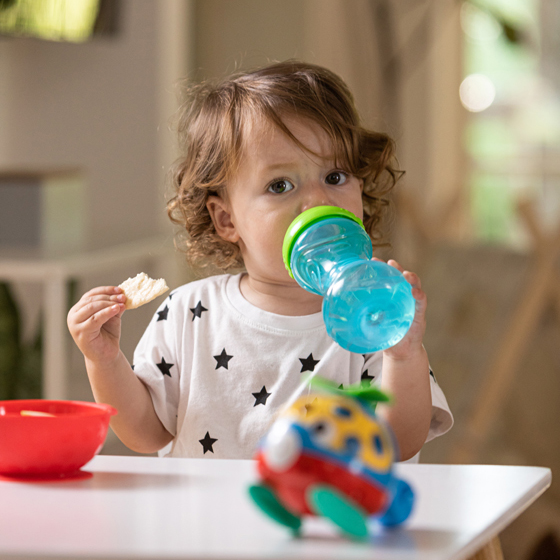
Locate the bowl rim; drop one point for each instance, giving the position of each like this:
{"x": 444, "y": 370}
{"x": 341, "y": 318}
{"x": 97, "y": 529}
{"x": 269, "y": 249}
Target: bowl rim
{"x": 87, "y": 408}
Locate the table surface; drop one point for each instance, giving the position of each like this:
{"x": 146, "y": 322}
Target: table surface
{"x": 149, "y": 507}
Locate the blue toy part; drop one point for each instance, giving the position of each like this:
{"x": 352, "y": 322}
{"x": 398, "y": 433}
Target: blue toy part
{"x": 368, "y": 305}
{"x": 401, "y": 506}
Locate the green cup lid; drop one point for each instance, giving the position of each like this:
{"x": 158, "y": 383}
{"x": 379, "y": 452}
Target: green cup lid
{"x": 306, "y": 219}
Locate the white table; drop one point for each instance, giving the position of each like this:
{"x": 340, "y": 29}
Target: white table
{"x": 153, "y": 508}
{"x": 54, "y": 272}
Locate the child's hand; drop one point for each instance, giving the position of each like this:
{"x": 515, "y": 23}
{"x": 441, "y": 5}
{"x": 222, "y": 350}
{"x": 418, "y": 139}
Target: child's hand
{"x": 95, "y": 323}
{"x": 412, "y": 341}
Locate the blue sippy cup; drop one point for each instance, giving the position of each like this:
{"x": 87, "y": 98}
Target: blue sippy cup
{"x": 368, "y": 305}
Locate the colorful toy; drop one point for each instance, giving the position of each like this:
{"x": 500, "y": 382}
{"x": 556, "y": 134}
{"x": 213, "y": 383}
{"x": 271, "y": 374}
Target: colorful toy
{"x": 329, "y": 455}
{"x": 368, "y": 305}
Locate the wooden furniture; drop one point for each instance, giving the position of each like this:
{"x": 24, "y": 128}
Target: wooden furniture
{"x": 149, "y": 507}
{"x": 44, "y": 209}
{"x": 542, "y": 288}
{"x": 53, "y": 273}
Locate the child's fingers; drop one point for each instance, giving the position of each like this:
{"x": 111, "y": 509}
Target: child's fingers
{"x": 103, "y": 290}
{"x": 413, "y": 279}
{"x": 83, "y": 313}
{"x": 97, "y": 320}
{"x": 421, "y": 299}
{"x": 396, "y": 265}
{"x": 420, "y": 311}
{"x": 87, "y": 302}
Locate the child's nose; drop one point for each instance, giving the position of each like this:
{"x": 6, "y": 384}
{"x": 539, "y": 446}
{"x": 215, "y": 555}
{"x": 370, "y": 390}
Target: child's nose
{"x": 316, "y": 195}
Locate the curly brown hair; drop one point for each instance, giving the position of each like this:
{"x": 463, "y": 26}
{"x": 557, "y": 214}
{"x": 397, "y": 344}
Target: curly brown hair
{"x": 212, "y": 124}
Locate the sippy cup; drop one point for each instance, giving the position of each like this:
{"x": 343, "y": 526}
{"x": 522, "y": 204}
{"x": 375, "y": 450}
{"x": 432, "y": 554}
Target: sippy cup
{"x": 368, "y": 305}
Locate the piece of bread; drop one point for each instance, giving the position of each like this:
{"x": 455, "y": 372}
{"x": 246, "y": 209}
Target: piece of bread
{"x": 141, "y": 289}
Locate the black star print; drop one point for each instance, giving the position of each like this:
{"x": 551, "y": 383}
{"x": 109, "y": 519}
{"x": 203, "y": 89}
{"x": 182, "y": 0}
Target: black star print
{"x": 164, "y": 367}
{"x": 366, "y": 377}
{"x": 261, "y": 396}
{"x": 162, "y": 315}
{"x": 197, "y": 311}
{"x": 308, "y": 364}
{"x": 171, "y": 295}
{"x": 432, "y": 374}
{"x": 222, "y": 359}
{"x": 132, "y": 366}
{"x": 207, "y": 442}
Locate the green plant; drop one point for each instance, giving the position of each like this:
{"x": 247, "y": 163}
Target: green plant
{"x": 20, "y": 362}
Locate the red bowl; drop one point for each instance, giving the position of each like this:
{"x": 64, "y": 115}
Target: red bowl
{"x": 50, "y": 445}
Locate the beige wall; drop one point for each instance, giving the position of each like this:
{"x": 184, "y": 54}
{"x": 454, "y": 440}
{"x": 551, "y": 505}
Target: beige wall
{"x": 245, "y": 33}
{"x": 101, "y": 106}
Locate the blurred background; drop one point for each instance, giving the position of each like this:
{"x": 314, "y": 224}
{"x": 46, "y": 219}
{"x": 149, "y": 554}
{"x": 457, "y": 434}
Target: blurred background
{"x": 469, "y": 89}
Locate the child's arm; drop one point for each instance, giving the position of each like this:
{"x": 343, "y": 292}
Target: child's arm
{"x": 95, "y": 325}
{"x": 406, "y": 376}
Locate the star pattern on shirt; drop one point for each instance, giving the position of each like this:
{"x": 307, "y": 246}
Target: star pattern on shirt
{"x": 367, "y": 378}
{"x": 432, "y": 374}
{"x": 213, "y": 339}
{"x": 261, "y": 396}
{"x": 162, "y": 315}
{"x": 197, "y": 310}
{"x": 164, "y": 367}
{"x": 308, "y": 364}
{"x": 222, "y": 359}
{"x": 207, "y": 442}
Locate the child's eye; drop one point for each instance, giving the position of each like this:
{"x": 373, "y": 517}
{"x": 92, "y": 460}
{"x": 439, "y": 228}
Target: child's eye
{"x": 336, "y": 178}
{"x": 280, "y": 186}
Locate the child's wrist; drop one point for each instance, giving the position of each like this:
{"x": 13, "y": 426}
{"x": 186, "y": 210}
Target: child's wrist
{"x": 411, "y": 353}
{"x": 103, "y": 363}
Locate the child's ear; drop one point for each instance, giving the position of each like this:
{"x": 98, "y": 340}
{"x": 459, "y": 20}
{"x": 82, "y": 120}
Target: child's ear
{"x": 221, "y": 217}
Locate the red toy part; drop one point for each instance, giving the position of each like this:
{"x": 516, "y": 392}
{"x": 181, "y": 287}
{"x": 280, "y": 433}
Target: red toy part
{"x": 290, "y": 486}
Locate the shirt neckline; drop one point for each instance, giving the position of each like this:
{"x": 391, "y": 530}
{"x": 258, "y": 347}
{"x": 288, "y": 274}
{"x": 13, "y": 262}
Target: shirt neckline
{"x": 265, "y": 318}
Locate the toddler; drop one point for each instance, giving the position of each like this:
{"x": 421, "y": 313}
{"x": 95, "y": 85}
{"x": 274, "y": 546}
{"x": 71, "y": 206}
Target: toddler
{"x": 222, "y": 355}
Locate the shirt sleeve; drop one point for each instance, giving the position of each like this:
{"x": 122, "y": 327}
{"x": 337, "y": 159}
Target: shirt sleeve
{"x": 157, "y": 365}
{"x": 442, "y": 419}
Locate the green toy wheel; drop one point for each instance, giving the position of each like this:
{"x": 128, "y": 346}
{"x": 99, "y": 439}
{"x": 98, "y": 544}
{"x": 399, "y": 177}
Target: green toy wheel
{"x": 344, "y": 513}
{"x": 265, "y": 498}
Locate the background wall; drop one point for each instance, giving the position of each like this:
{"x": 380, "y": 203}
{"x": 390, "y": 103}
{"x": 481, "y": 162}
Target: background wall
{"x": 97, "y": 106}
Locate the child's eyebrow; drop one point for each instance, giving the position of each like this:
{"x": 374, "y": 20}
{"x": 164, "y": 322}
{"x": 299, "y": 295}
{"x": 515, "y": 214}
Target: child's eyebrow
{"x": 278, "y": 166}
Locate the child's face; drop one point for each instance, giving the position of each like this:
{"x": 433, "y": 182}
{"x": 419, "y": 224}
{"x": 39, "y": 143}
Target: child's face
{"x": 276, "y": 181}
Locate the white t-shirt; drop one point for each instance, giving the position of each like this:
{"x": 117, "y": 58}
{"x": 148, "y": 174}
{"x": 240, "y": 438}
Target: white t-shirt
{"x": 218, "y": 368}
